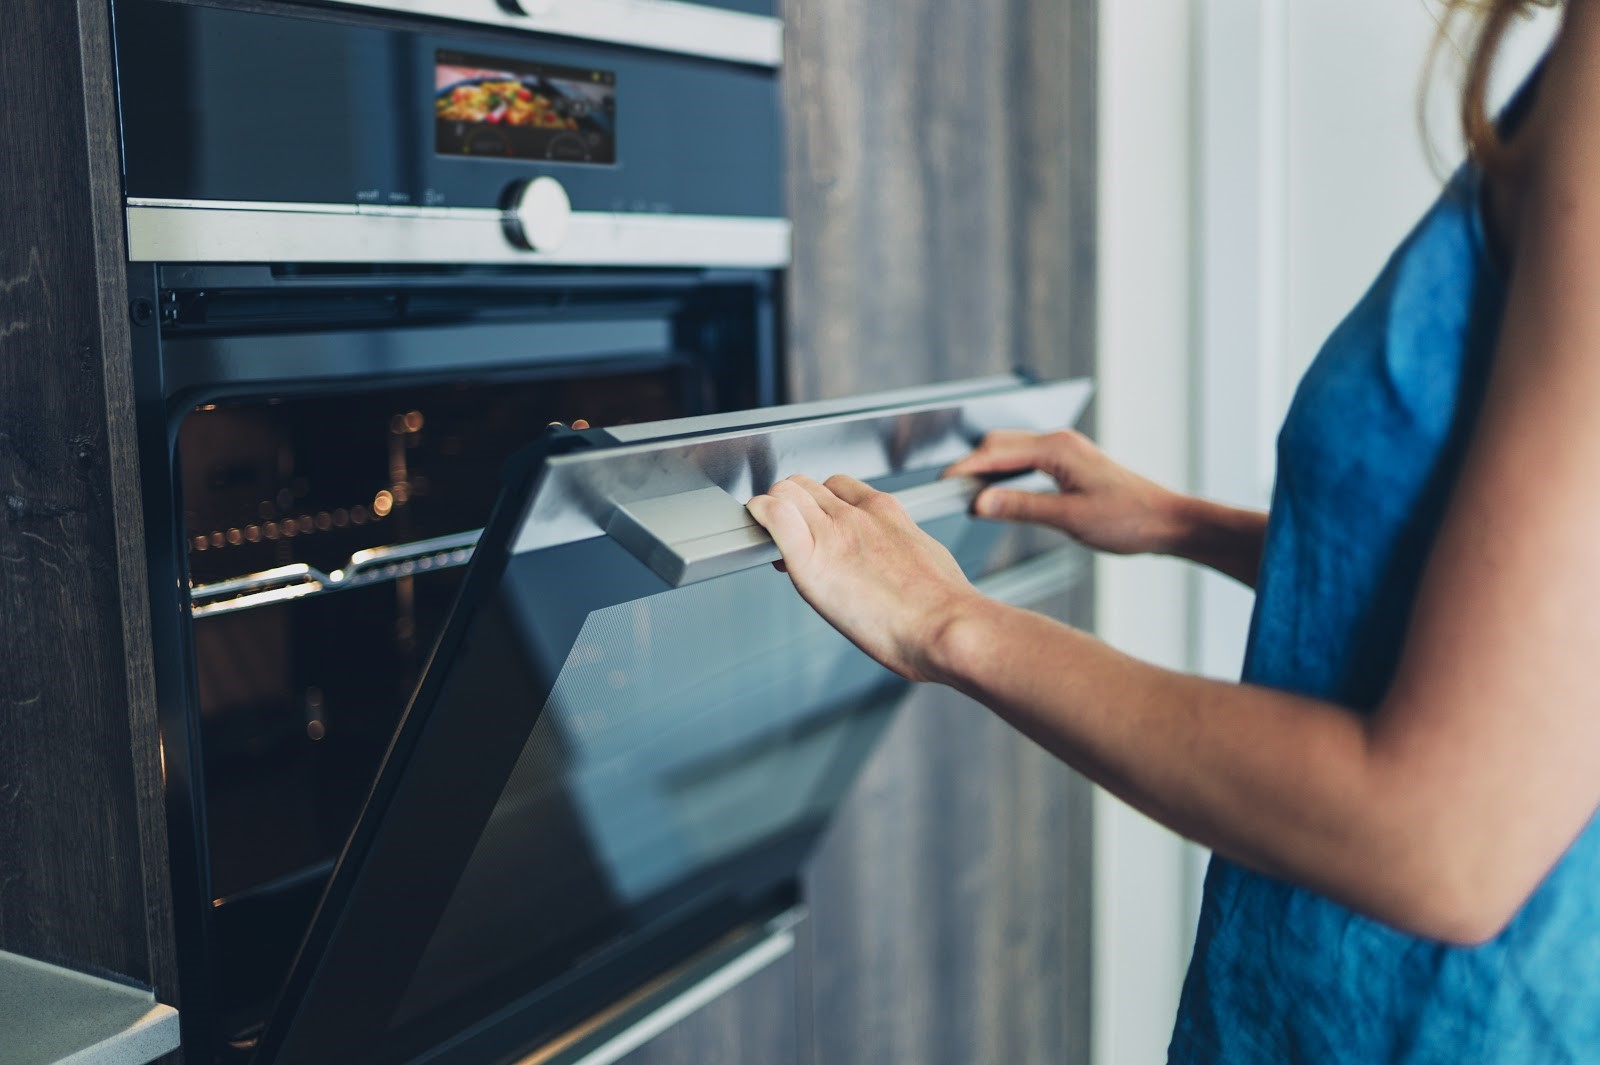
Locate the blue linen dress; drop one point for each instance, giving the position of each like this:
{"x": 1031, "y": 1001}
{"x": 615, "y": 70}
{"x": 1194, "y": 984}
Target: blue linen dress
{"x": 1366, "y": 462}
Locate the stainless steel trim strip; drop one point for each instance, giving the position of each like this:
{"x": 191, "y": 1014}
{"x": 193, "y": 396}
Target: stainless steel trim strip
{"x": 228, "y": 231}
{"x": 640, "y": 432}
{"x": 706, "y": 533}
{"x": 378, "y": 210}
{"x": 662, "y": 25}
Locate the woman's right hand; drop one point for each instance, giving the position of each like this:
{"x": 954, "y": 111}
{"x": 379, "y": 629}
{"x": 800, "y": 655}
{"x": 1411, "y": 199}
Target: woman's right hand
{"x": 1100, "y": 503}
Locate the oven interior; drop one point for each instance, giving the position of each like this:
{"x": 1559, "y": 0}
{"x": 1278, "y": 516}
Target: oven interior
{"x": 325, "y": 517}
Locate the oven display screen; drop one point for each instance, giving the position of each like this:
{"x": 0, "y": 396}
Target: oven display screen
{"x": 514, "y": 109}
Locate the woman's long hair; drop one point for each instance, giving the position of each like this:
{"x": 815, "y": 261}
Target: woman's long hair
{"x": 1485, "y": 23}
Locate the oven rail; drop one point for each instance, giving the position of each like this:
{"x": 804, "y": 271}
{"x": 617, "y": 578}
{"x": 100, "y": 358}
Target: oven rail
{"x": 298, "y": 581}
{"x": 378, "y": 565}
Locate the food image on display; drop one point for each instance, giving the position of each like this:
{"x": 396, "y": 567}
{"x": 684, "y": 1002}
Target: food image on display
{"x": 510, "y": 102}
{"x": 509, "y": 109}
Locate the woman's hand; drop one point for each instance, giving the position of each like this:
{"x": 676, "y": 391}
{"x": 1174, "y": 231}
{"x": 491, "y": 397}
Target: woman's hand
{"x": 1108, "y": 507}
{"x": 1104, "y": 505}
{"x": 864, "y": 565}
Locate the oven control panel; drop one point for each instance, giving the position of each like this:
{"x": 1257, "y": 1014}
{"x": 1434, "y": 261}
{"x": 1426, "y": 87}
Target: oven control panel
{"x": 284, "y": 133}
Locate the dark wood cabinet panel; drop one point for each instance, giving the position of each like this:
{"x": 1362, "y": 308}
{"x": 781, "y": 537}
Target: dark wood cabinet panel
{"x": 83, "y": 877}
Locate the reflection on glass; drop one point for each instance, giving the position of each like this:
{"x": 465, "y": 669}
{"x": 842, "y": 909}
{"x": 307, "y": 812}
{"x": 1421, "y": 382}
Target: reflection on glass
{"x": 685, "y": 732}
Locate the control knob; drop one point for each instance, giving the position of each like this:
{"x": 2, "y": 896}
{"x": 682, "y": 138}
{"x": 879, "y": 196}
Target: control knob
{"x": 537, "y": 213}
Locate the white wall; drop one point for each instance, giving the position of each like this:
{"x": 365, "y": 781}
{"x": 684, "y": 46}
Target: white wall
{"x": 1142, "y": 414}
{"x": 1310, "y": 167}
{"x": 1358, "y": 174}
{"x": 1259, "y": 160}
{"x": 1356, "y": 168}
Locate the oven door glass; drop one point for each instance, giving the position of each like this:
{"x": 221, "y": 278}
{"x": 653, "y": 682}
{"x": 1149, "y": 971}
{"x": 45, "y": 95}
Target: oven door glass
{"x": 632, "y": 729}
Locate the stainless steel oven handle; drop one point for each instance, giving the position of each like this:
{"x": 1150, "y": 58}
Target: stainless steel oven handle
{"x": 697, "y": 536}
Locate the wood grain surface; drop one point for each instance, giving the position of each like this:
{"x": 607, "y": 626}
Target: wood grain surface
{"x": 942, "y": 176}
{"x": 83, "y": 878}
{"x": 942, "y": 173}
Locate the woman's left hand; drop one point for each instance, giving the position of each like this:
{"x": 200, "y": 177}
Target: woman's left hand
{"x": 864, "y": 565}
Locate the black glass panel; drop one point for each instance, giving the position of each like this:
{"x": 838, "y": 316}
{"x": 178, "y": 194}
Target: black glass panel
{"x": 298, "y": 701}
{"x": 629, "y": 757}
{"x": 659, "y": 753}
{"x": 248, "y": 105}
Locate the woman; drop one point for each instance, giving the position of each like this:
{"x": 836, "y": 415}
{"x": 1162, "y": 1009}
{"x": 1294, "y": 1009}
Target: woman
{"x": 1399, "y": 795}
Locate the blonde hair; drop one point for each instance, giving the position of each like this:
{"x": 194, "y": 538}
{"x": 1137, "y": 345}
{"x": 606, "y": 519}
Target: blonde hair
{"x": 1485, "y": 23}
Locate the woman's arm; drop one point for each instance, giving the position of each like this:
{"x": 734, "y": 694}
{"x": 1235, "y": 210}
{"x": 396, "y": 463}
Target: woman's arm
{"x": 1110, "y": 508}
{"x": 1283, "y": 784}
{"x": 1227, "y": 539}
{"x": 1442, "y": 811}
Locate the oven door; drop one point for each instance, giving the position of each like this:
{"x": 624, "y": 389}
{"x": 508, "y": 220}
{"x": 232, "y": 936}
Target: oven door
{"x": 632, "y": 729}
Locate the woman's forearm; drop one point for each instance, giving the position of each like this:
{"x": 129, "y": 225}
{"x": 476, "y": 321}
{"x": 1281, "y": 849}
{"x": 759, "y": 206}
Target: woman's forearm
{"x": 1227, "y": 539}
{"x": 1289, "y": 786}
{"x": 1420, "y": 814}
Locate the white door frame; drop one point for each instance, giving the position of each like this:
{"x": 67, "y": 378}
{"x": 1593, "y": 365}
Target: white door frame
{"x": 1192, "y": 230}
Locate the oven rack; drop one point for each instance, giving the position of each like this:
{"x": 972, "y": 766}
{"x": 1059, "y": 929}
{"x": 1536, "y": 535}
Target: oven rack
{"x": 374, "y": 565}
{"x": 377, "y": 565}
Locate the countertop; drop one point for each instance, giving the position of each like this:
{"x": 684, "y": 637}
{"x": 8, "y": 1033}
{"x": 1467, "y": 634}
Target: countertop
{"x": 54, "y": 1016}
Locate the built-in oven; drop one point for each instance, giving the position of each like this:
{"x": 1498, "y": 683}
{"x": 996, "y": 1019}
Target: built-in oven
{"x": 484, "y": 738}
